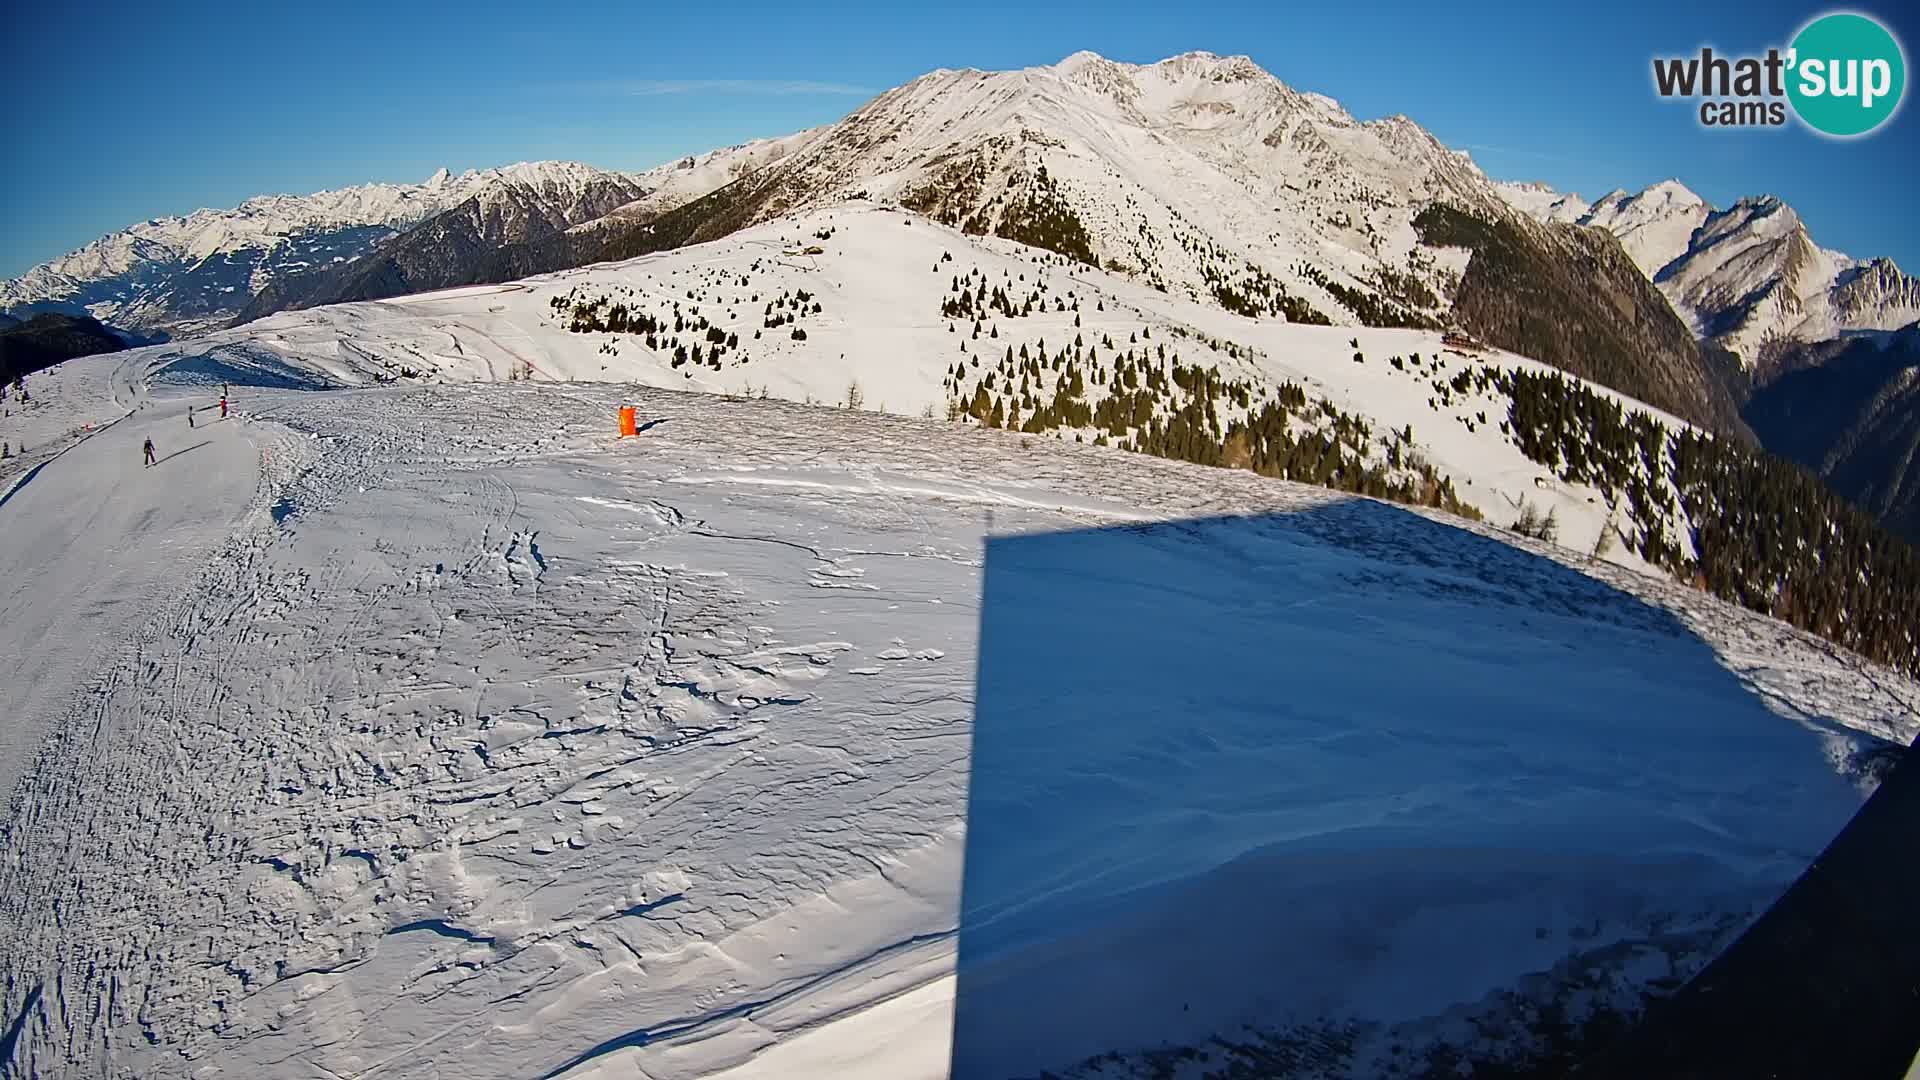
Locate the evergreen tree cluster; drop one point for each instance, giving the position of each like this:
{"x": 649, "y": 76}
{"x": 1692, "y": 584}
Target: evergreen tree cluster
{"x": 1570, "y": 297}
{"x": 677, "y": 329}
{"x": 1256, "y": 294}
{"x": 1771, "y": 537}
{"x": 1766, "y": 534}
{"x": 1333, "y": 452}
{"x": 680, "y": 333}
{"x": 1145, "y": 246}
{"x": 969, "y": 297}
{"x": 604, "y": 315}
{"x": 1537, "y": 525}
{"x": 955, "y": 195}
{"x": 786, "y": 309}
{"x": 1239, "y": 285}
{"x": 1045, "y": 219}
{"x": 1402, "y": 287}
{"x": 1140, "y": 395}
{"x": 1371, "y": 309}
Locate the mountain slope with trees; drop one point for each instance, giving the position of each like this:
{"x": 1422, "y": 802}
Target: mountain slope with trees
{"x": 1849, "y": 410}
{"x": 45, "y": 340}
{"x": 1568, "y": 295}
{"x": 485, "y": 238}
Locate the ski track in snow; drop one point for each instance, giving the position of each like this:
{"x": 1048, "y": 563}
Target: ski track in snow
{"x": 458, "y": 735}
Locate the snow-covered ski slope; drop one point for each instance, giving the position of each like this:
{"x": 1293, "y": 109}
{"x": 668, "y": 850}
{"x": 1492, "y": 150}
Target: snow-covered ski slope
{"x": 469, "y": 740}
{"x": 880, "y": 279}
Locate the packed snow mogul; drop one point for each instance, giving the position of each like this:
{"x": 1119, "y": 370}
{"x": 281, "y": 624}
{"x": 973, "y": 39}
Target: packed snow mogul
{"x": 148, "y": 450}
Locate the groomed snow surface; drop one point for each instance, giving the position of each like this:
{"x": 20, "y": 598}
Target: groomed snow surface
{"x": 432, "y": 731}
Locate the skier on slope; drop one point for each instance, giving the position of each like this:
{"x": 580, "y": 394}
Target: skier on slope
{"x": 149, "y": 452}
{"x": 223, "y": 406}
{"x": 189, "y": 416}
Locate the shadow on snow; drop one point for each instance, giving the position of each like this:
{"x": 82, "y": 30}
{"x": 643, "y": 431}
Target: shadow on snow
{"x": 1349, "y": 763}
{"x": 182, "y": 450}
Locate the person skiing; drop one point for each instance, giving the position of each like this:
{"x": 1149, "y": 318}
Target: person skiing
{"x": 149, "y": 453}
{"x": 189, "y": 416}
{"x": 223, "y": 406}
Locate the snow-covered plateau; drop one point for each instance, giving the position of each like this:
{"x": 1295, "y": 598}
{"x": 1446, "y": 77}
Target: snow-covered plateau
{"x": 407, "y": 722}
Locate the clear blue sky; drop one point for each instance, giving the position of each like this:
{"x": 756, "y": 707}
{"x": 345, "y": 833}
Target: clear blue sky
{"x": 122, "y": 111}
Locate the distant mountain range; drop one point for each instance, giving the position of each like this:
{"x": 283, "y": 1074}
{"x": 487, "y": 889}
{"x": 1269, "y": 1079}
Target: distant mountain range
{"x": 1746, "y": 277}
{"x": 1203, "y": 176}
{"x": 183, "y": 275}
{"x": 1201, "y": 172}
{"x": 1207, "y": 177}
{"x": 180, "y": 276}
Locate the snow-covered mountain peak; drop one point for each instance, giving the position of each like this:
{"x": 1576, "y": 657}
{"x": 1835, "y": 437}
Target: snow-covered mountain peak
{"x": 1745, "y": 275}
{"x": 1755, "y": 222}
{"x": 1091, "y": 71}
{"x": 1198, "y": 82}
{"x": 1202, "y": 172}
{"x": 1673, "y": 193}
{"x": 1764, "y": 214}
{"x": 1193, "y": 63}
{"x": 1085, "y": 58}
{"x": 544, "y": 171}
{"x": 194, "y": 271}
{"x": 1654, "y": 226}
{"x": 1542, "y": 202}
{"x": 1404, "y": 135}
{"x": 1200, "y": 64}
{"x": 1326, "y": 105}
{"x": 1664, "y": 200}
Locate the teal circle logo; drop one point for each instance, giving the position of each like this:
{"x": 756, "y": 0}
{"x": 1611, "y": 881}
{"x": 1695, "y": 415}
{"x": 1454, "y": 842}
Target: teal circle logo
{"x": 1848, "y": 74}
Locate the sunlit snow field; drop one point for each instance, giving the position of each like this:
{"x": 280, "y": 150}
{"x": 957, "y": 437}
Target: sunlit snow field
{"x": 429, "y": 731}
